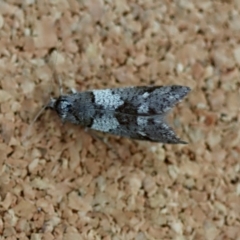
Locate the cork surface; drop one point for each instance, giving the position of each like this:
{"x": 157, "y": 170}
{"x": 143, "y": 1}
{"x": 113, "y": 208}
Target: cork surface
{"x": 59, "y": 182}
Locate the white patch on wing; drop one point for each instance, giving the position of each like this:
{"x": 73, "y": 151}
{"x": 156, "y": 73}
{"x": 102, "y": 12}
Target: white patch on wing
{"x": 142, "y": 121}
{"x": 145, "y": 95}
{"x": 142, "y": 134}
{"x": 175, "y": 96}
{"x": 106, "y": 99}
{"x": 143, "y": 108}
{"x": 105, "y": 123}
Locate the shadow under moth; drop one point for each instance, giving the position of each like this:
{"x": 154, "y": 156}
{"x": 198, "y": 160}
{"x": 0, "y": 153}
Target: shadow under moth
{"x": 133, "y": 112}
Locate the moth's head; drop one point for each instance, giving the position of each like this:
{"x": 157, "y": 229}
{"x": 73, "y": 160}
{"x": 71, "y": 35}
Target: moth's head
{"x": 62, "y": 105}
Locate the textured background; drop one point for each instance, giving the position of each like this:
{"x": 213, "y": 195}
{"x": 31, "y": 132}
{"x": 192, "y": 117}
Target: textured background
{"x": 59, "y": 182}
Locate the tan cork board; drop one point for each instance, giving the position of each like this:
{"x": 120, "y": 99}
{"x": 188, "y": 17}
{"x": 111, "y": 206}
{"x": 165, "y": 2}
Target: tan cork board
{"x": 61, "y": 183}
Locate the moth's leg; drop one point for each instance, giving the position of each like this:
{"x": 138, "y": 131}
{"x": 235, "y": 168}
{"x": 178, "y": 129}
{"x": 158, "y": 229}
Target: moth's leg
{"x": 73, "y": 90}
{"x": 102, "y": 139}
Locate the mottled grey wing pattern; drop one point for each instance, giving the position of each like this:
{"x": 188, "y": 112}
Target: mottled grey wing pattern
{"x": 145, "y": 101}
{"x": 134, "y": 112}
{"x": 138, "y": 112}
{"x": 149, "y": 128}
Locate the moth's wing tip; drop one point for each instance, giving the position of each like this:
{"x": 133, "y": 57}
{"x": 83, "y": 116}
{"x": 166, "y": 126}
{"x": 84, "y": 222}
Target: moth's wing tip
{"x": 185, "y": 90}
{"x": 177, "y": 141}
{"x": 179, "y": 93}
{"x": 182, "y": 142}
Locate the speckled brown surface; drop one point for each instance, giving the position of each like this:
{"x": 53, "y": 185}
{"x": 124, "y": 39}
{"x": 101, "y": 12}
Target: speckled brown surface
{"x": 60, "y": 183}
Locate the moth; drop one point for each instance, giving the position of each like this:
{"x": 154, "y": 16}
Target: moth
{"x": 134, "y": 112}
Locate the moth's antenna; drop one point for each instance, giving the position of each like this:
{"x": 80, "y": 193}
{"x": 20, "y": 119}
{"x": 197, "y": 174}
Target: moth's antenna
{"x": 54, "y": 56}
{"x": 51, "y": 101}
{"x": 25, "y": 136}
{"x": 60, "y": 84}
{"x": 49, "y": 104}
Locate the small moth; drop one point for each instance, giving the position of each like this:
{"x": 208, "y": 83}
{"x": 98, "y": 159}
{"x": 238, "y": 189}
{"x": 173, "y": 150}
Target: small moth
{"x": 133, "y": 112}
